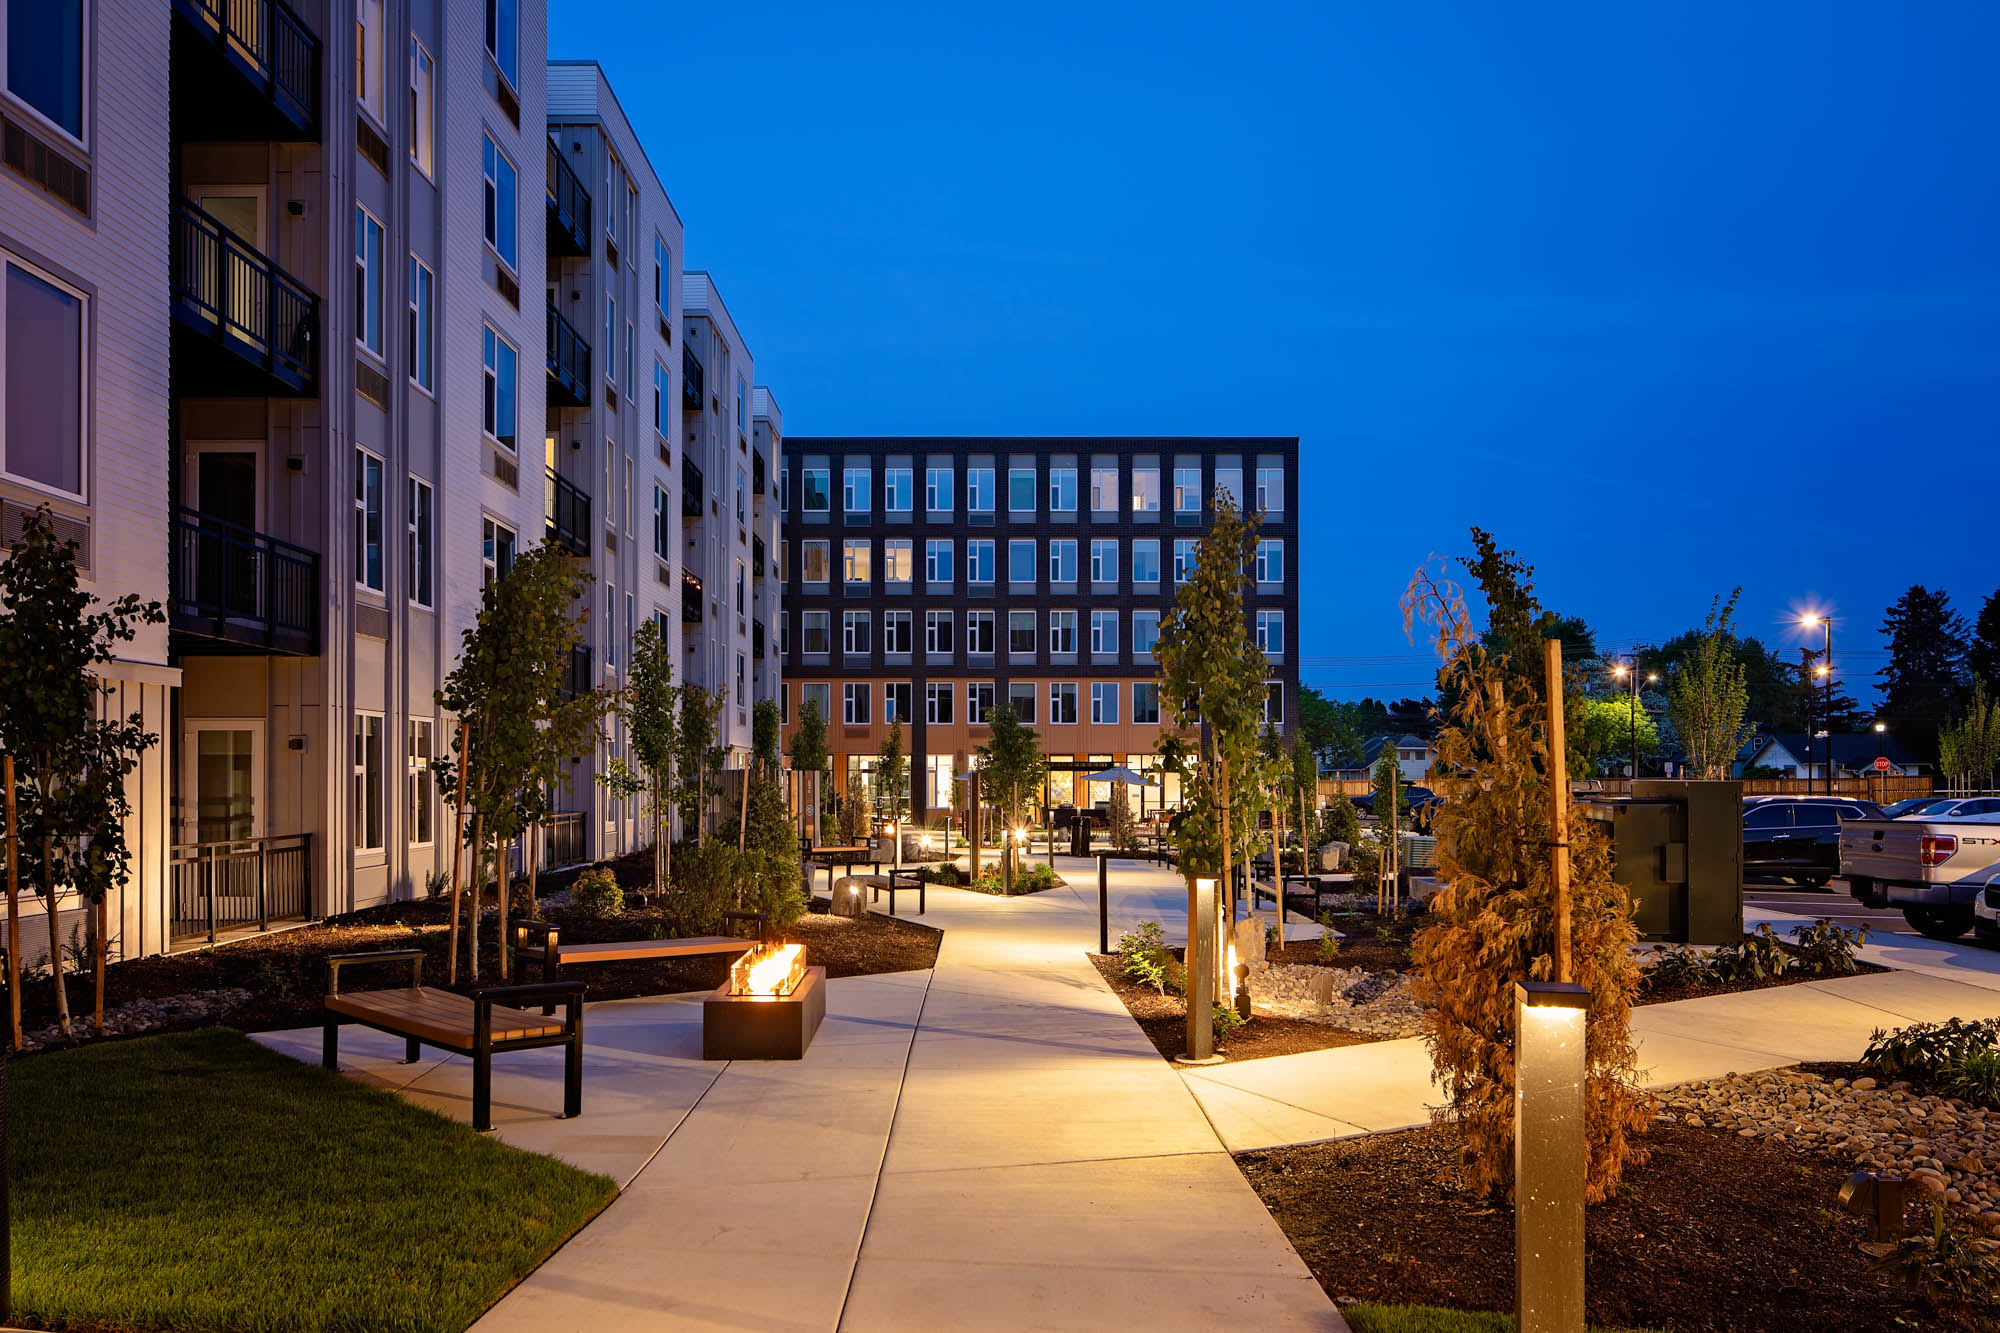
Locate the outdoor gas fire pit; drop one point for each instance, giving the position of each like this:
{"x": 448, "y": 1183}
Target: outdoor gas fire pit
{"x": 769, "y": 1008}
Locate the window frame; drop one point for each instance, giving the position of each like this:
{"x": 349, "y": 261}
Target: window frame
{"x": 368, "y": 523}
{"x": 974, "y": 488}
{"x": 1103, "y": 643}
{"x": 1062, "y": 479}
{"x": 981, "y": 697}
{"x": 86, "y": 83}
{"x": 423, "y": 109}
{"x": 371, "y": 279}
{"x": 855, "y": 483}
{"x": 1104, "y": 703}
{"x": 973, "y": 546}
{"x": 370, "y": 826}
{"x": 824, "y": 546}
{"x": 933, "y": 489}
{"x": 419, "y": 754}
{"x": 892, "y": 491}
{"x": 856, "y": 628}
{"x": 850, "y": 692}
{"x": 891, "y": 548}
{"x": 865, "y": 547}
{"x": 825, "y": 628}
{"x": 492, "y": 155}
{"x": 492, "y": 342}
{"x": 422, "y": 304}
{"x": 1270, "y": 550}
{"x": 1152, "y": 546}
{"x": 977, "y": 616}
{"x": 1060, "y": 692}
{"x": 1021, "y": 481}
{"x": 84, "y": 370}
{"x": 502, "y": 39}
{"x": 897, "y": 619}
{"x": 1015, "y": 544}
{"x": 1062, "y": 623}
{"x": 940, "y": 632}
{"x": 1104, "y": 560}
{"x": 420, "y": 523}
{"x": 825, "y": 477}
{"x": 939, "y": 556}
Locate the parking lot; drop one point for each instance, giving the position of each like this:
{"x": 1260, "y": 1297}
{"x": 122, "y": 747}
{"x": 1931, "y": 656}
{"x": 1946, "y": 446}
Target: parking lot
{"x": 1832, "y": 901}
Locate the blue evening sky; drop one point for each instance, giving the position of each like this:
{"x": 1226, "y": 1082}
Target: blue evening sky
{"x": 1672, "y": 300}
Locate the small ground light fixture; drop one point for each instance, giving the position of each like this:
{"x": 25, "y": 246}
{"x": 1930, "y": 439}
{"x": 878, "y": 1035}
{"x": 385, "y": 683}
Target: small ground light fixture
{"x": 1550, "y": 1155}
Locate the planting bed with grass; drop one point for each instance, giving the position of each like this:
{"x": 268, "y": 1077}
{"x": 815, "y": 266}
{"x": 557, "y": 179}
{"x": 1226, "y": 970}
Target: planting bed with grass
{"x": 197, "y": 1181}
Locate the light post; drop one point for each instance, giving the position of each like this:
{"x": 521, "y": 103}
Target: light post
{"x": 1880, "y": 768}
{"x": 1825, "y": 673}
{"x": 1629, "y": 673}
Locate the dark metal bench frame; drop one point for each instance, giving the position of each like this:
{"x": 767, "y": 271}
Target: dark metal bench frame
{"x": 916, "y": 881}
{"x": 482, "y": 1046}
{"x": 547, "y": 950}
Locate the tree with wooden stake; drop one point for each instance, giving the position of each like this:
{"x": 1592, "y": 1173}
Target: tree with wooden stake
{"x": 652, "y": 726}
{"x": 1304, "y": 792}
{"x": 70, "y": 760}
{"x": 809, "y": 756}
{"x": 13, "y": 835}
{"x": 697, "y": 758}
{"x": 1499, "y": 919}
{"x": 1708, "y": 695}
{"x": 1011, "y": 767}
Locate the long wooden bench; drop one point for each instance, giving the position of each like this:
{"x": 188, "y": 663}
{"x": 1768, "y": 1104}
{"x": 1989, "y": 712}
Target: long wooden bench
{"x": 542, "y": 942}
{"x": 476, "y": 1025}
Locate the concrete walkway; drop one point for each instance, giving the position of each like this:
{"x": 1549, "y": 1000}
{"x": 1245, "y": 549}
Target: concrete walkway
{"x": 991, "y": 1145}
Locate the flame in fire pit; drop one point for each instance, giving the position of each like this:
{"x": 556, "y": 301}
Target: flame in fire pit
{"x": 771, "y": 970}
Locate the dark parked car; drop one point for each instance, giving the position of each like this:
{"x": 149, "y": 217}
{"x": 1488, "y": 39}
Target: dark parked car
{"x": 1798, "y": 837}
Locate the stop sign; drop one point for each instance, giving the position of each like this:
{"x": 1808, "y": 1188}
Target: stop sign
{"x": 1881, "y": 763}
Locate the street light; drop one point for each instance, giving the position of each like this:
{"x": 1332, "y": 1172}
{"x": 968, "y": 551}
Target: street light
{"x": 1881, "y": 730}
{"x": 1825, "y": 673}
{"x": 1629, "y": 672}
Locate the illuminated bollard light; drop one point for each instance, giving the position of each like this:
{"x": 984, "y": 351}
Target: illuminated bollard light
{"x": 1200, "y": 971}
{"x": 1551, "y": 1156}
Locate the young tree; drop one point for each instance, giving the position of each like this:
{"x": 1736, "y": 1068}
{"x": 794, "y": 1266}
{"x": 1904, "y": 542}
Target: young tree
{"x": 1708, "y": 695}
{"x": 1120, "y": 827}
{"x": 892, "y": 773}
{"x": 652, "y": 724}
{"x": 1328, "y": 727}
{"x": 1010, "y": 769}
{"x": 697, "y": 758}
{"x": 1609, "y": 726}
{"x": 1923, "y": 685}
{"x": 1340, "y": 822}
{"x": 1304, "y": 792}
{"x": 71, "y": 760}
{"x": 809, "y": 754}
{"x": 1494, "y": 922}
{"x": 1969, "y": 748}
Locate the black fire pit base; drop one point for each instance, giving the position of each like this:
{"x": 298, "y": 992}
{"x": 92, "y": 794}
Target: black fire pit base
{"x": 763, "y": 1027}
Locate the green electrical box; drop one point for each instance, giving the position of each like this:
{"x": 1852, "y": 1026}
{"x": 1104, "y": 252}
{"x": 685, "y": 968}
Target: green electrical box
{"x": 1678, "y": 847}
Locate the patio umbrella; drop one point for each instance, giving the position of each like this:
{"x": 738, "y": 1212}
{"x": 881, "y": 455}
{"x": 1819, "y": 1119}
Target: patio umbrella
{"x": 1119, "y": 773}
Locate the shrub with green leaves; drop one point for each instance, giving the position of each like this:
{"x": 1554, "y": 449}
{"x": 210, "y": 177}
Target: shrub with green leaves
{"x": 1827, "y": 949}
{"x": 596, "y": 893}
{"x": 1680, "y": 968}
{"x": 1975, "y": 1076}
{"x": 1224, "y": 1022}
{"x": 1144, "y": 957}
{"x": 1329, "y": 940}
{"x": 1929, "y": 1050}
{"x": 1948, "y": 1265}
{"x": 1760, "y": 957}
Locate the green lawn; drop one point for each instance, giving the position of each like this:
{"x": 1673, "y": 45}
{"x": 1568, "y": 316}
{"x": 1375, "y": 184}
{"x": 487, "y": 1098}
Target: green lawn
{"x": 198, "y": 1181}
{"x": 1425, "y": 1319}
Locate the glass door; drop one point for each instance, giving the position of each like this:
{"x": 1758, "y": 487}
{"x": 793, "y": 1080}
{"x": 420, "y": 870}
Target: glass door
{"x": 221, "y": 776}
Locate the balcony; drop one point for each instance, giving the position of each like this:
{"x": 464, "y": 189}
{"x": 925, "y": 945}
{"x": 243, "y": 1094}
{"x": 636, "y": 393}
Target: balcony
{"x": 693, "y": 603}
{"x": 757, "y": 640}
{"x": 569, "y": 515}
{"x": 577, "y": 680}
{"x": 224, "y": 887}
{"x": 692, "y": 378}
{"x": 238, "y": 592}
{"x": 569, "y": 363}
{"x": 252, "y": 68}
{"x": 692, "y": 489}
{"x": 569, "y": 209}
{"x": 757, "y": 557}
{"x": 243, "y": 327}
{"x": 757, "y": 471}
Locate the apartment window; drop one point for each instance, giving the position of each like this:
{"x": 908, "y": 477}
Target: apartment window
{"x": 898, "y": 490}
{"x": 815, "y": 560}
{"x": 368, "y": 280}
{"x": 937, "y": 490}
{"x": 368, "y": 782}
{"x": 497, "y": 407}
{"x": 423, "y": 110}
{"x": 1021, "y": 633}
{"x": 1103, "y": 631}
{"x": 610, "y": 357}
{"x": 854, "y": 703}
{"x": 1228, "y": 482}
{"x": 979, "y": 490}
{"x": 978, "y": 702}
{"x": 979, "y": 560}
{"x": 819, "y": 489}
{"x": 820, "y": 695}
{"x": 421, "y": 525}
{"x": 1104, "y": 490}
{"x": 423, "y": 321}
{"x": 1062, "y": 703}
{"x": 662, "y": 526}
{"x": 368, "y": 48}
{"x": 854, "y": 490}
{"x": 784, "y": 704}
{"x": 501, "y": 36}
{"x": 496, "y": 552}
{"x": 1062, "y": 631}
{"x": 423, "y": 782}
{"x": 1145, "y": 631}
{"x": 1021, "y": 560}
{"x": 1270, "y": 560}
{"x": 631, "y": 360}
{"x": 937, "y": 560}
{"x": 899, "y": 560}
{"x": 1103, "y": 561}
{"x": 1274, "y": 703}
{"x": 1021, "y": 698}
{"x": 661, "y": 382}
{"x": 855, "y": 552}
{"x": 1062, "y": 490}
{"x": 1271, "y": 489}
{"x": 1184, "y": 559}
{"x": 1271, "y": 632}
{"x": 611, "y": 624}
{"x": 1021, "y": 490}
{"x": 742, "y": 689}
{"x": 896, "y": 701}
{"x": 1146, "y": 560}
{"x": 854, "y": 632}
{"x": 784, "y": 488}
{"x": 742, "y": 496}
{"x": 1104, "y": 702}
{"x": 742, "y": 588}
{"x": 979, "y": 632}
{"x": 42, "y": 343}
{"x": 662, "y": 265}
{"x": 367, "y": 520}
{"x": 937, "y": 703}
{"x": 938, "y": 633}
{"x": 47, "y": 61}
{"x": 1062, "y": 560}
{"x": 1146, "y": 702}
{"x": 897, "y": 631}
{"x": 503, "y": 196}
{"x": 742, "y": 411}
{"x": 815, "y": 631}
{"x": 1145, "y": 490}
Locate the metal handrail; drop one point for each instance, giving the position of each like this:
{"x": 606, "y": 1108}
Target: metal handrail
{"x": 693, "y": 607}
{"x": 273, "y": 46}
{"x": 568, "y": 514}
{"x": 225, "y": 572}
{"x": 261, "y": 312}
{"x": 568, "y": 201}
{"x": 225, "y": 883}
{"x": 568, "y": 356}
{"x": 692, "y": 378}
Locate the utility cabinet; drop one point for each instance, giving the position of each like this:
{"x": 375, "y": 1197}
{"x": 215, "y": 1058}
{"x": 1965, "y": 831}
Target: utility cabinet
{"x": 1677, "y": 846}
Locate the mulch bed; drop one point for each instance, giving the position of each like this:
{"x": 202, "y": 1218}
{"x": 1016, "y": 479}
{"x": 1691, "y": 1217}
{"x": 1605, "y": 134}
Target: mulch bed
{"x": 1715, "y": 1234}
{"x": 1163, "y": 1018}
{"x": 1661, "y": 994}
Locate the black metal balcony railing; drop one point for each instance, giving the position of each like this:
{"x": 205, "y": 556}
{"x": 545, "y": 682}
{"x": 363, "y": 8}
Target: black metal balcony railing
{"x": 692, "y": 600}
{"x": 242, "y": 588}
{"x": 757, "y": 640}
{"x": 577, "y": 680}
{"x": 569, "y": 207}
{"x": 692, "y": 378}
{"x": 757, "y": 557}
{"x": 692, "y": 489}
{"x": 569, "y": 363}
{"x": 568, "y": 514}
{"x": 757, "y": 471}
{"x": 225, "y": 883}
{"x": 237, "y": 299}
{"x": 271, "y": 47}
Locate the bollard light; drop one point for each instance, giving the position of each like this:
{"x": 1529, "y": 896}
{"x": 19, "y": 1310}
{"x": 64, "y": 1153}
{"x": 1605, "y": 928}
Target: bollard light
{"x": 1204, "y": 890}
{"x": 1550, "y": 1155}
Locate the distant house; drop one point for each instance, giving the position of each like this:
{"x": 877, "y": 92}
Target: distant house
{"x": 1413, "y": 755}
{"x": 1796, "y": 755}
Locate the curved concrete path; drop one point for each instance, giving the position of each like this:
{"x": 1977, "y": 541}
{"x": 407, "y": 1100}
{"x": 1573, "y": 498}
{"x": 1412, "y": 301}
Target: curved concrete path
{"x": 990, "y": 1145}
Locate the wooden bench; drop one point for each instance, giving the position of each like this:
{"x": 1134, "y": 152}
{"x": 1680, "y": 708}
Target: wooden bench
{"x": 541, "y": 941}
{"x": 833, "y": 856}
{"x": 879, "y": 882}
{"x": 476, "y": 1025}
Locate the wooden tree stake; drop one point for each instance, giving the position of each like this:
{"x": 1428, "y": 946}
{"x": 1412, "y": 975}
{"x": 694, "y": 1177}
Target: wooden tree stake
{"x": 1552, "y": 651}
{"x": 457, "y": 850}
{"x": 13, "y": 901}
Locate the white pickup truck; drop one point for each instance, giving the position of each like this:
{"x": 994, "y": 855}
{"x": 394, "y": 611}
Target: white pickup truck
{"x": 1935, "y": 870}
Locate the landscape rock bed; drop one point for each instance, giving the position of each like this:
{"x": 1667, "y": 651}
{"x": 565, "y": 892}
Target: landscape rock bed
{"x": 1378, "y": 1004}
{"x": 1951, "y": 1148}
{"x": 167, "y": 1012}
